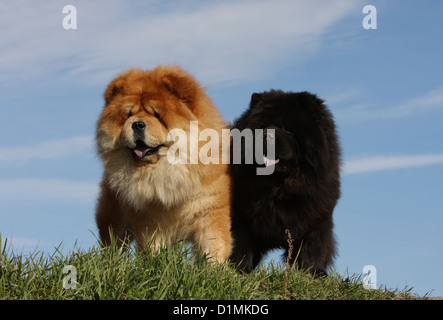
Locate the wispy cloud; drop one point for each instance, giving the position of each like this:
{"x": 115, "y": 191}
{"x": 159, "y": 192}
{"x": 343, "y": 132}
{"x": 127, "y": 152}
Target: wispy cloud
{"x": 343, "y": 96}
{"x": 46, "y": 150}
{"x": 364, "y": 111}
{"x": 217, "y": 40}
{"x": 29, "y": 190}
{"x": 380, "y": 163}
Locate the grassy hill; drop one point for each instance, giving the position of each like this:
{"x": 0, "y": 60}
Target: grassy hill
{"x": 169, "y": 274}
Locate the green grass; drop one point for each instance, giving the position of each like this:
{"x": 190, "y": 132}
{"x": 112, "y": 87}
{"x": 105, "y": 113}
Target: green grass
{"x": 171, "y": 273}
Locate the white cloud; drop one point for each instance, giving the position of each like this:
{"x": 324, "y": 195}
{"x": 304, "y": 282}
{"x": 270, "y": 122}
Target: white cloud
{"x": 428, "y": 102}
{"x": 46, "y": 150}
{"x": 29, "y": 190}
{"x": 217, "y": 40}
{"x": 343, "y": 96}
{"x": 379, "y": 163}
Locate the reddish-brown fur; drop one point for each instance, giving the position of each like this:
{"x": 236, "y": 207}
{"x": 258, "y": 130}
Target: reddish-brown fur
{"x": 143, "y": 197}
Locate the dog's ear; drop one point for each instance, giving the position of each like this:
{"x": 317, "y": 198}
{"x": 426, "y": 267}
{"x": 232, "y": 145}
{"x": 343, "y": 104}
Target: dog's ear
{"x": 255, "y": 98}
{"x": 182, "y": 85}
{"x": 114, "y": 88}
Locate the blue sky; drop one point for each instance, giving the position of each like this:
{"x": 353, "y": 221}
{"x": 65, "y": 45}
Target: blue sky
{"x": 384, "y": 87}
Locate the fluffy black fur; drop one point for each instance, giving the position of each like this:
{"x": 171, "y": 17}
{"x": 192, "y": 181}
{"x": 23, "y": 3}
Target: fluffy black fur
{"x": 300, "y": 195}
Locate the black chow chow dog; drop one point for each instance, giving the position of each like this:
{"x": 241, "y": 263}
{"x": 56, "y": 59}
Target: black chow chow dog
{"x": 302, "y": 191}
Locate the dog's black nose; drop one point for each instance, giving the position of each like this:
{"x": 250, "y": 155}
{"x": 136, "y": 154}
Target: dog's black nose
{"x": 138, "y": 126}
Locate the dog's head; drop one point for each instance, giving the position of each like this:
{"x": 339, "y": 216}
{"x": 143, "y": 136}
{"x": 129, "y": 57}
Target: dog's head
{"x": 295, "y": 128}
{"x": 141, "y": 107}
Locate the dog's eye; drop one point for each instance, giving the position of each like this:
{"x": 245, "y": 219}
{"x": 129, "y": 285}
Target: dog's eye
{"x": 156, "y": 115}
{"x": 130, "y": 114}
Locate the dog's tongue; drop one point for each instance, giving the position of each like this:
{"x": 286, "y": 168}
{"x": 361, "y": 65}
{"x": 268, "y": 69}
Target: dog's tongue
{"x": 141, "y": 152}
{"x": 269, "y": 162}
